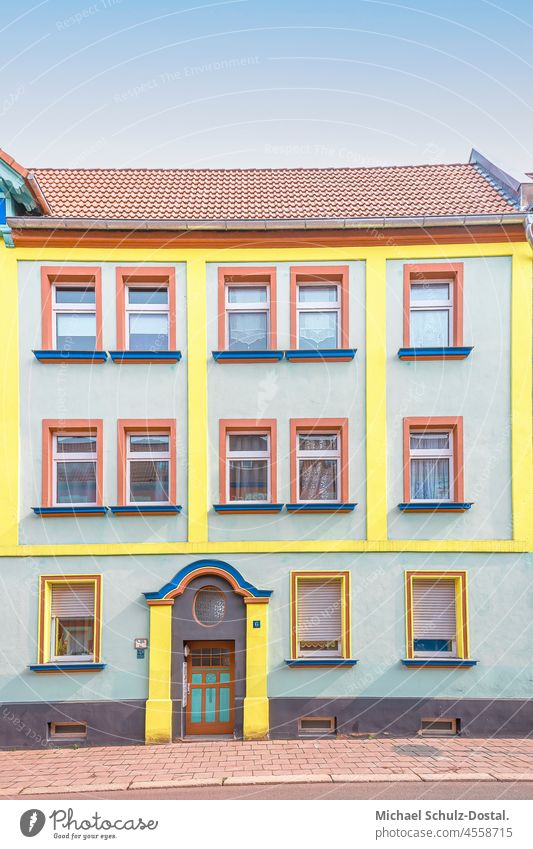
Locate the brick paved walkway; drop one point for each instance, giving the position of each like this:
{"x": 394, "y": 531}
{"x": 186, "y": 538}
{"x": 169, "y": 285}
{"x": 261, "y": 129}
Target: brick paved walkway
{"x": 139, "y": 767}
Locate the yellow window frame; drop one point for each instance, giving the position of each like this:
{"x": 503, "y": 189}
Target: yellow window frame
{"x": 46, "y": 582}
{"x": 461, "y": 607}
{"x": 344, "y": 578}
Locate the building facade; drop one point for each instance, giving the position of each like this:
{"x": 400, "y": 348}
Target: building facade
{"x": 266, "y": 454}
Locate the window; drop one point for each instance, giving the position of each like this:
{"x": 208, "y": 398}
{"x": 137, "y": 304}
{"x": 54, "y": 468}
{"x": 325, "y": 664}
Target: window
{"x": 247, "y": 461}
{"x": 72, "y": 463}
{"x": 147, "y": 318}
{"x": 433, "y": 461}
{"x": 320, "y": 615}
{"x": 318, "y": 459}
{"x": 247, "y": 320}
{"x": 74, "y": 468}
{"x": 146, "y": 462}
{"x": 72, "y": 622}
{"x": 69, "y": 619}
{"x": 319, "y": 307}
{"x": 209, "y": 606}
{"x": 318, "y": 312}
{"x": 431, "y": 465}
{"x": 71, "y": 300}
{"x": 247, "y": 312}
{"x": 433, "y": 305}
{"x": 436, "y": 609}
{"x": 74, "y": 318}
{"x": 146, "y": 309}
{"x": 148, "y": 468}
{"x": 431, "y": 314}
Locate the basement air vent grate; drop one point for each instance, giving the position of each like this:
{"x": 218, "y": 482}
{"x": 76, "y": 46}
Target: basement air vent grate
{"x": 317, "y": 726}
{"x": 67, "y": 730}
{"x": 439, "y": 727}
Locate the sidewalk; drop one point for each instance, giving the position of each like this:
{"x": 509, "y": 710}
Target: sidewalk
{"x": 203, "y": 763}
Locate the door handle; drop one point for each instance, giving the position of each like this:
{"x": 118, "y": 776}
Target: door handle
{"x": 188, "y": 689}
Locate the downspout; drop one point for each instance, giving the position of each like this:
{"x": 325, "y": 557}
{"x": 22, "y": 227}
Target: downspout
{"x": 7, "y": 235}
{"x": 528, "y": 226}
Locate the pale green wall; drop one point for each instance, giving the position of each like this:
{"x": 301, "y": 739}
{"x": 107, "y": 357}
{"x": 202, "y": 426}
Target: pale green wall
{"x": 477, "y": 388}
{"x": 105, "y": 391}
{"x": 500, "y": 604}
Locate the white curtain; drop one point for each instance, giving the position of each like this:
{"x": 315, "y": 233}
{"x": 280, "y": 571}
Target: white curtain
{"x": 430, "y": 479}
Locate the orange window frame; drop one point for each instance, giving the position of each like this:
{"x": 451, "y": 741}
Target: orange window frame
{"x": 245, "y": 426}
{"x": 127, "y": 426}
{"x": 454, "y": 424}
{"x": 246, "y": 276}
{"x": 68, "y": 277}
{"x": 310, "y": 425}
{"x": 317, "y": 275}
{"x": 141, "y": 277}
{"x": 453, "y": 271}
{"x": 67, "y": 426}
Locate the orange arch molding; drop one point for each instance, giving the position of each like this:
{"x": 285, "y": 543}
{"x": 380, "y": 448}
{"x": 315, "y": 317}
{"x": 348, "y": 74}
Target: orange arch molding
{"x": 182, "y": 579}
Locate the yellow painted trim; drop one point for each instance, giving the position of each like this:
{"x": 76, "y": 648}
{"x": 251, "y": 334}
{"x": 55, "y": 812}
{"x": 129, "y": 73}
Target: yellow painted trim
{"x": 256, "y": 714}
{"x": 376, "y": 397}
{"x": 159, "y": 704}
{"x": 9, "y": 398}
{"x": 267, "y": 547}
{"x": 197, "y": 400}
{"x": 376, "y": 257}
{"x": 521, "y": 382}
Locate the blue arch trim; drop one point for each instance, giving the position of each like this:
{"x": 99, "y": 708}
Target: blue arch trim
{"x": 180, "y": 576}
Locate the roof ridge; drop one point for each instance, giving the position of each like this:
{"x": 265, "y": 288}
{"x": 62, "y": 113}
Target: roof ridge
{"x": 275, "y": 170}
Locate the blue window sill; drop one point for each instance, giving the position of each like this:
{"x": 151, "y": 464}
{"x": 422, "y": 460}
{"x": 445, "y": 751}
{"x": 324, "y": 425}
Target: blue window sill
{"x": 247, "y": 508}
{"x": 419, "y": 662}
{"x": 411, "y": 354}
{"x": 321, "y": 507}
{"x": 67, "y": 667}
{"x": 70, "y": 356}
{"x": 325, "y": 661}
{"x": 69, "y": 511}
{"x": 436, "y": 506}
{"x": 324, "y": 355}
{"x": 145, "y": 356}
{"x": 146, "y": 510}
{"x": 247, "y": 356}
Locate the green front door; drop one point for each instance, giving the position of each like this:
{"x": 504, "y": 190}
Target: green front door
{"x": 210, "y": 685}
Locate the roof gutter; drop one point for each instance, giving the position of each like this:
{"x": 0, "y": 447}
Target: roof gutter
{"x": 51, "y": 223}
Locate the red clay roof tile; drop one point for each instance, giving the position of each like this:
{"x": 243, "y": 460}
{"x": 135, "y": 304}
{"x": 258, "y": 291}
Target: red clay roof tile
{"x": 258, "y": 194}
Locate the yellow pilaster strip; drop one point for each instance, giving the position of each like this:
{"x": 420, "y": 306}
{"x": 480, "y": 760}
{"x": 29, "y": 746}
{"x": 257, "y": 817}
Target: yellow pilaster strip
{"x": 197, "y": 399}
{"x": 521, "y": 377}
{"x": 159, "y": 704}
{"x": 376, "y": 398}
{"x": 9, "y": 398}
{"x": 256, "y": 720}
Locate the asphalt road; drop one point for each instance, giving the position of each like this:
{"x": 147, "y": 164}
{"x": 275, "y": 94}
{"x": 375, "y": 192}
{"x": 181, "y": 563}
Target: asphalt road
{"x": 396, "y": 790}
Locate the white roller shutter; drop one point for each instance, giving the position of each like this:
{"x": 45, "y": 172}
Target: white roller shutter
{"x": 72, "y": 601}
{"x": 319, "y": 610}
{"x": 434, "y": 610}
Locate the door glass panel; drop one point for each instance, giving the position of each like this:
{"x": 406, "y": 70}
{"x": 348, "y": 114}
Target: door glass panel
{"x": 196, "y": 705}
{"x": 210, "y": 704}
{"x": 223, "y": 709}
{"x": 211, "y": 678}
{"x": 224, "y": 677}
{"x": 196, "y": 678}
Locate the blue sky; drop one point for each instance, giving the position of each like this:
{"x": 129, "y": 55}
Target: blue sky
{"x": 249, "y": 83}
